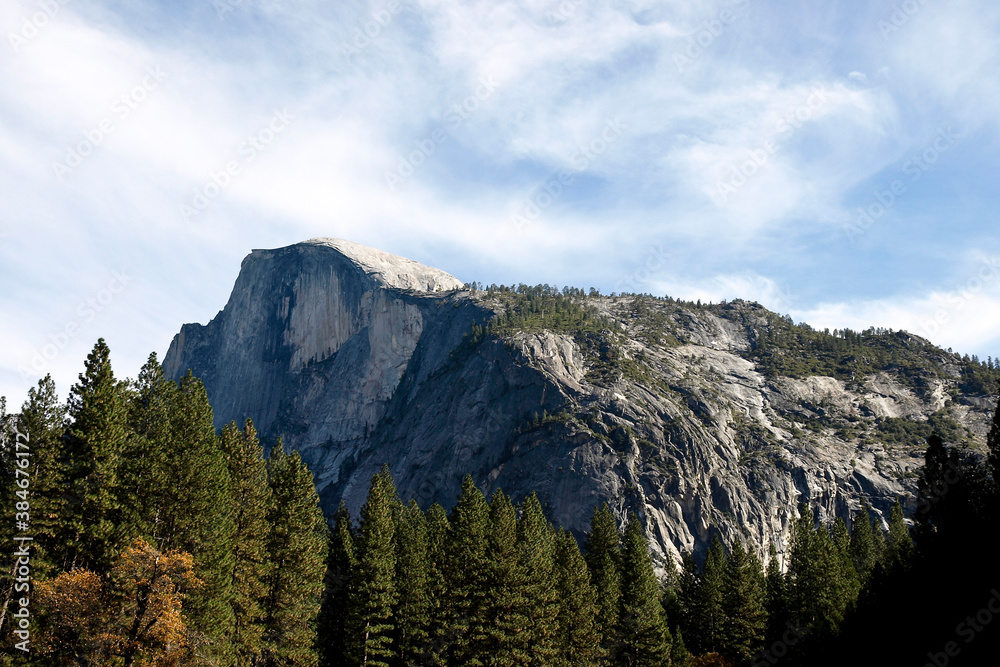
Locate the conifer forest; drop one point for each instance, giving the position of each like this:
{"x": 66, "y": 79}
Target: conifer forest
{"x": 157, "y": 541}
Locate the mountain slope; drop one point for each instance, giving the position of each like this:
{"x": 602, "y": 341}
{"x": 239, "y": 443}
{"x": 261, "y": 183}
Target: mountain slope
{"x": 701, "y": 418}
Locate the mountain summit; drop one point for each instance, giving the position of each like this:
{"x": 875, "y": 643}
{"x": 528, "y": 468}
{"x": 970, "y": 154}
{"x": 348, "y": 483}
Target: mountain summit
{"x": 704, "y": 419}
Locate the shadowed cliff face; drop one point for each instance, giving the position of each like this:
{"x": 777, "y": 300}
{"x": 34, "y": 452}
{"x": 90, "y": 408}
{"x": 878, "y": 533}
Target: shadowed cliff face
{"x": 356, "y": 358}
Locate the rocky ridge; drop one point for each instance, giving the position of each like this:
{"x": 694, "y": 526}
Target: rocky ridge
{"x": 358, "y": 358}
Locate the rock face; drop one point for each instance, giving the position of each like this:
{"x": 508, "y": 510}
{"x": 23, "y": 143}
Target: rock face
{"x": 358, "y": 358}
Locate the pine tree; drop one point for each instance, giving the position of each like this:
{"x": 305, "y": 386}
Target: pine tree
{"x": 333, "y": 617}
{"x": 813, "y": 576}
{"x": 197, "y": 513}
{"x": 706, "y": 608}
{"x": 97, "y": 436}
{"x": 688, "y": 587}
{"x": 42, "y": 421}
{"x": 414, "y": 604}
{"x": 863, "y": 551}
{"x": 641, "y": 622}
{"x": 506, "y": 594}
{"x": 536, "y": 547}
{"x": 743, "y": 605}
{"x": 579, "y": 638}
{"x": 250, "y": 498}
{"x": 372, "y": 594}
{"x": 146, "y": 480}
{"x": 899, "y": 547}
{"x": 441, "y": 613}
{"x": 679, "y": 656}
{"x": 776, "y": 599}
{"x": 849, "y": 583}
{"x": 468, "y": 573}
{"x": 602, "y": 552}
{"x": 297, "y": 552}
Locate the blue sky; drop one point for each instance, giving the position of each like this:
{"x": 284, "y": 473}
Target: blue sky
{"x": 837, "y": 163}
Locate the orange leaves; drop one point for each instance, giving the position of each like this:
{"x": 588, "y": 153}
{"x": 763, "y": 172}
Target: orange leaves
{"x": 134, "y": 613}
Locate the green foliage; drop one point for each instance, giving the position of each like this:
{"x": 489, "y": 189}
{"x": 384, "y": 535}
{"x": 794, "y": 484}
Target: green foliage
{"x": 93, "y": 530}
{"x": 578, "y": 641}
{"x": 467, "y": 571}
{"x": 536, "y": 639}
{"x": 250, "y": 497}
{"x": 414, "y": 604}
{"x": 532, "y": 309}
{"x": 297, "y": 549}
{"x": 603, "y": 557}
{"x": 42, "y": 421}
{"x": 644, "y": 637}
{"x": 892, "y": 430}
{"x": 865, "y": 553}
{"x": 373, "y": 592}
{"x": 743, "y": 605}
{"x": 334, "y": 611}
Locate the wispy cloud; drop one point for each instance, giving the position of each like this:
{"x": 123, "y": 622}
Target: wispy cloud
{"x": 740, "y": 169}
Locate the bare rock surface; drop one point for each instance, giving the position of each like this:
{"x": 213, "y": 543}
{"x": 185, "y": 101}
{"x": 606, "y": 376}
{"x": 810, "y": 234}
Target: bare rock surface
{"x": 357, "y": 358}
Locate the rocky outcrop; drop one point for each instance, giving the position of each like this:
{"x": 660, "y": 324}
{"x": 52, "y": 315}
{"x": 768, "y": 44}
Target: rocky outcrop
{"x": 358, "y": 358}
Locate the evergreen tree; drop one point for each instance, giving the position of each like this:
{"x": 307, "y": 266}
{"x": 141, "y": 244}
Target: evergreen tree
{"x": 813, "y": 576}
{"x": 507, "y": 613}
{"x": 468, "y": 573}
{"x": 536, "y": 550}
{"x": 849, "y": 583}
{"x": 414, "y": 604}
{"x": 372, "y": 594}
{"x": 42, "y": 421}
{"x": 688, "y": 587}
{"x": 776, "y": 599}
{"x": 602, "y": 552}
{"x": 197, "y": 513}
{"x": 899, "y": 546}
{"x": 641, "y": 622}
{"x": 333, "y": 618}
{"x": 97, "y": 436}
{"x": 706, "y": 610}
{"x": 743, "y": 605}
{"x": 679, "y": 656}
{"x": 863, "y": 551}
{"x": 297, "y": 552}
{"x": 250, "y": 498}
{"x": 579, "y": 638}
{"x": 441, "y": 613}
{"x": 147, "y": 485}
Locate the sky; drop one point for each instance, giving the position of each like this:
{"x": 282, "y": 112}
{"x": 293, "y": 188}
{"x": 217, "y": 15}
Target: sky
{"x": 836, "y": 162}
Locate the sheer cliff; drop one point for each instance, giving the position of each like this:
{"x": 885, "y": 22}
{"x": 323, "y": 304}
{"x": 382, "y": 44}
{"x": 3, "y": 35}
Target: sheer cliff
{"x": 703, "y": 419}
